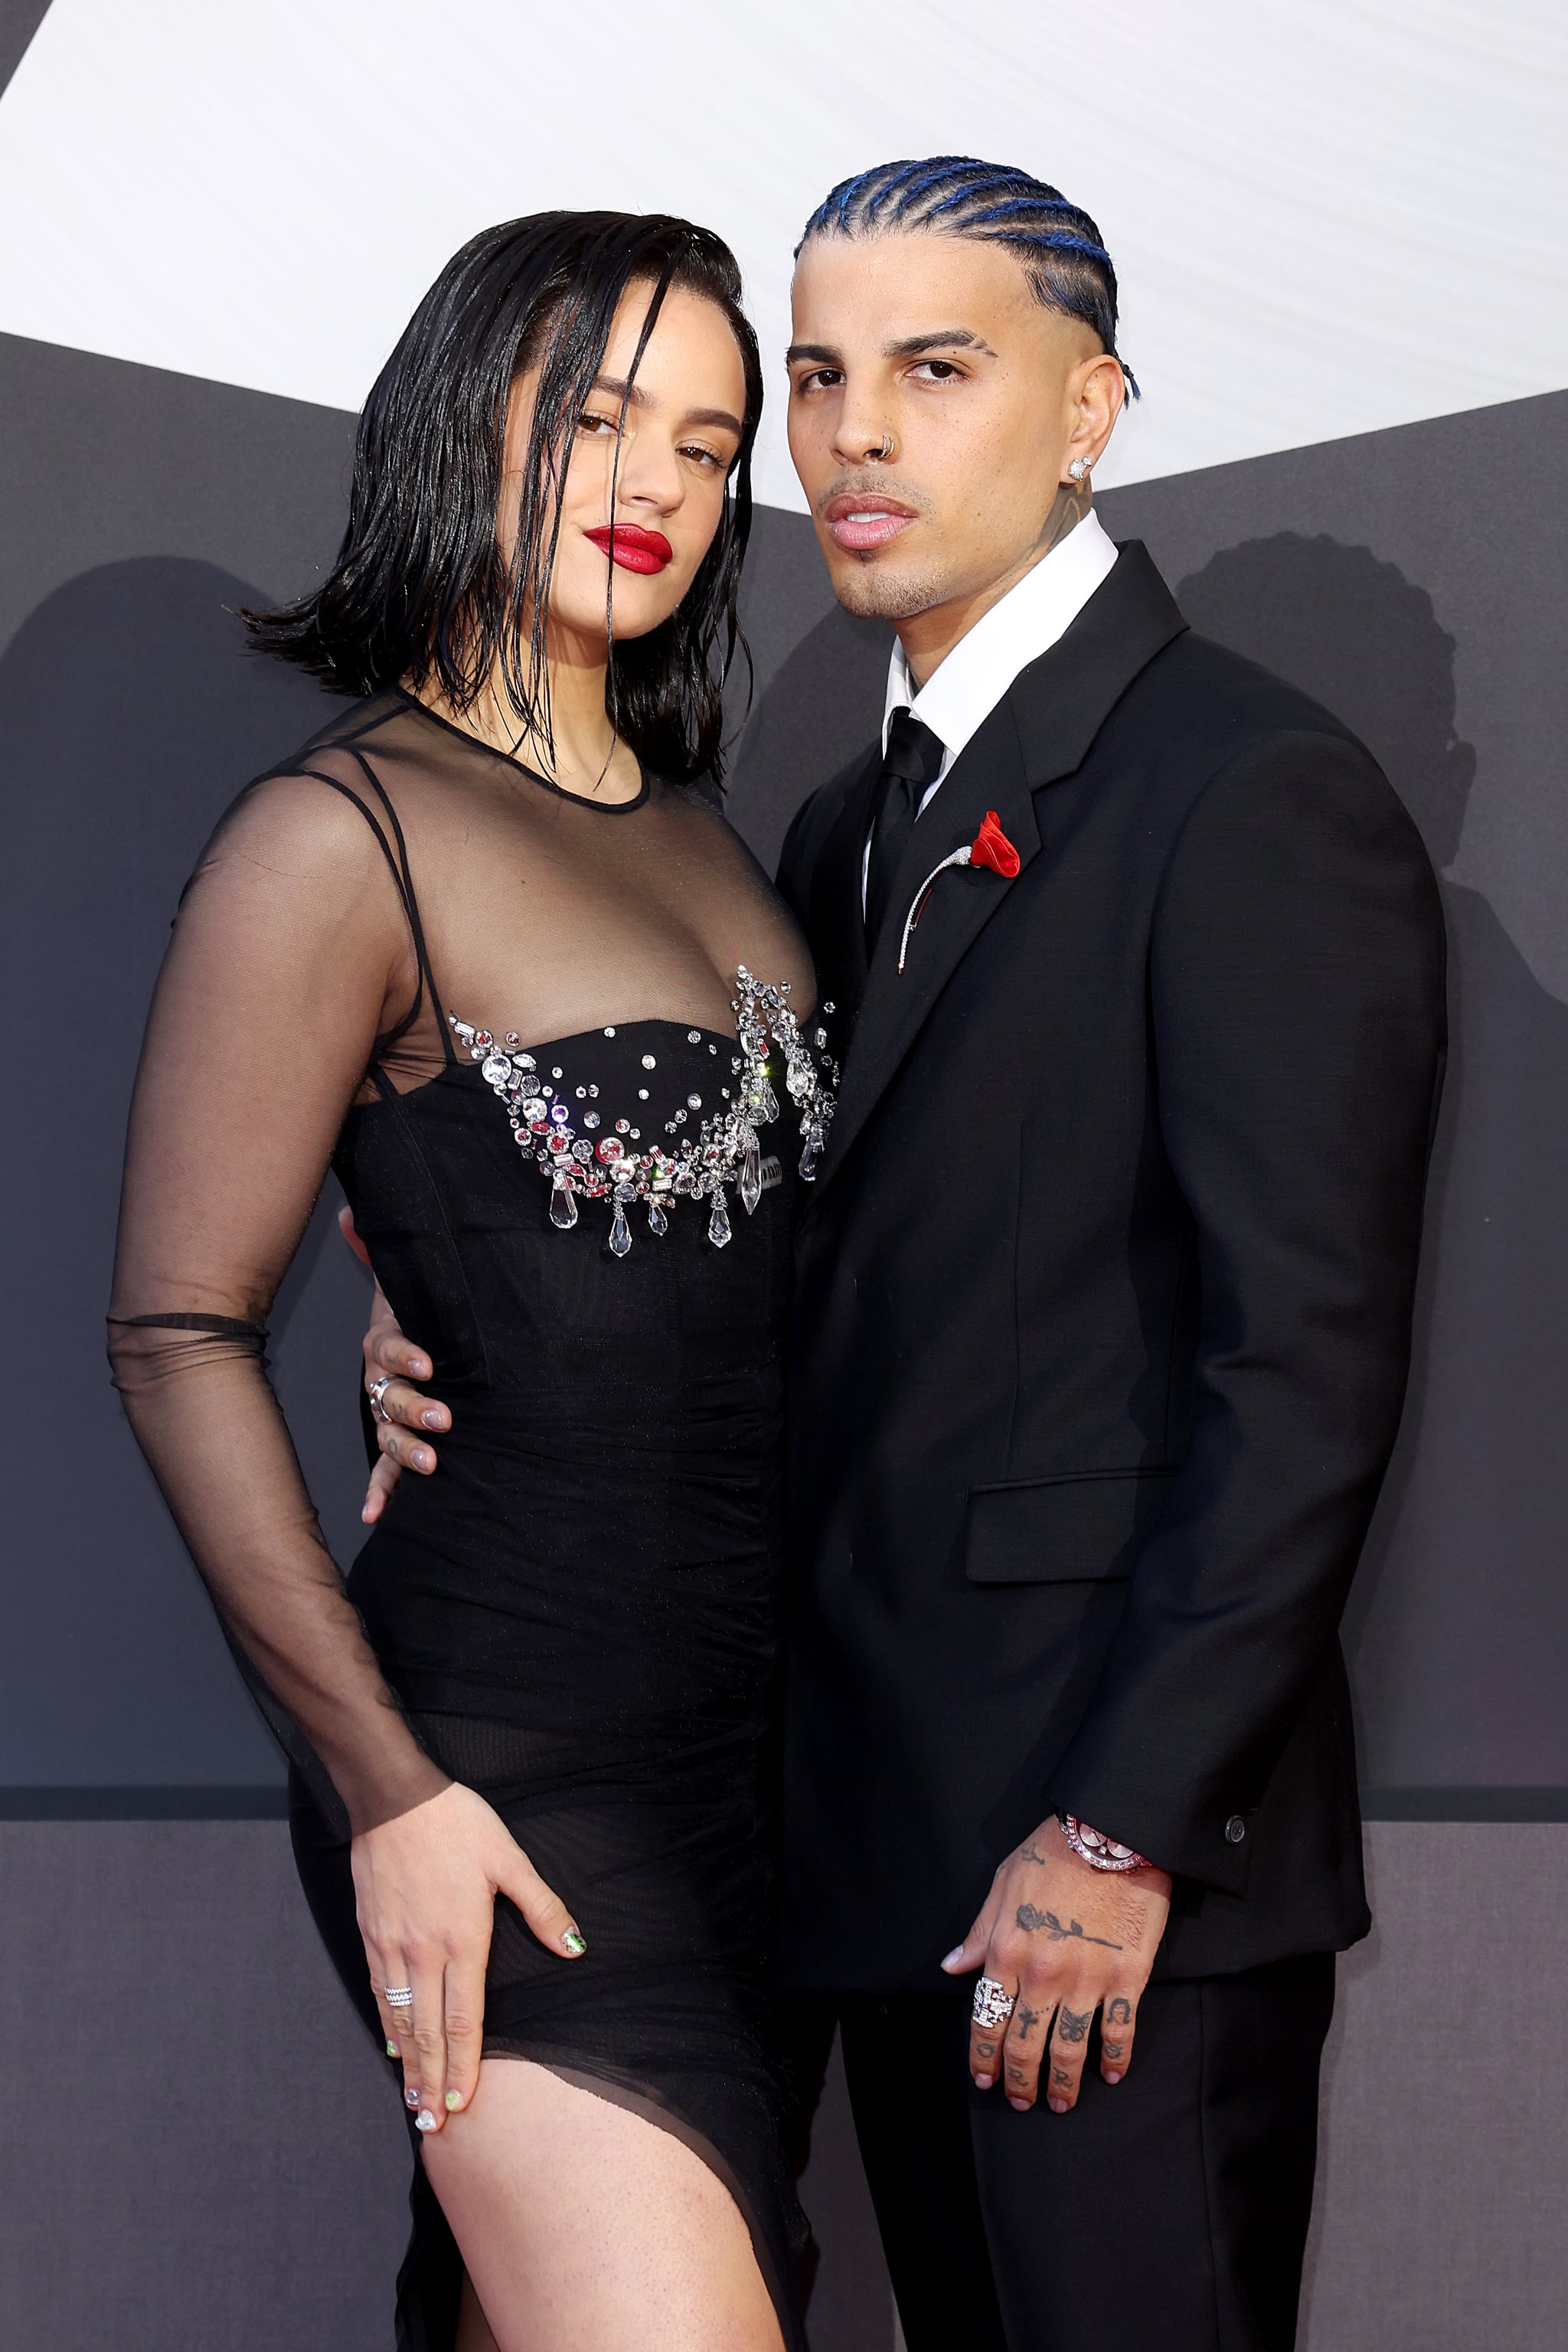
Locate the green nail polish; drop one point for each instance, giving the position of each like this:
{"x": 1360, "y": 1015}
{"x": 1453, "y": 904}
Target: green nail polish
{"x": 391, "y": 2049}
{"x": 573, "y": 1942}
{"x": 454, "y": 2099}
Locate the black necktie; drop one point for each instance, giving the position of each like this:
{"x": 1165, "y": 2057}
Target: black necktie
{"x": 910, "y": 765}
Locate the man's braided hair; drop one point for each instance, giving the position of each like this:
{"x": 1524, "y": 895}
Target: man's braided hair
{"x": 958, "y": 195}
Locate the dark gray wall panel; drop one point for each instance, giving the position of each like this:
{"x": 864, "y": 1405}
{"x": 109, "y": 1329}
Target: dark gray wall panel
{"x": 142, "y": 510}
{"x": 1413, "y": 580}
{"x": 19, "y": 20}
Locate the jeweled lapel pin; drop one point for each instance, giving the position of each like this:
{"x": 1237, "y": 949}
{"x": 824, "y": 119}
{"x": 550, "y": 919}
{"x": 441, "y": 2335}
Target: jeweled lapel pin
{"x": 989, "y": 847}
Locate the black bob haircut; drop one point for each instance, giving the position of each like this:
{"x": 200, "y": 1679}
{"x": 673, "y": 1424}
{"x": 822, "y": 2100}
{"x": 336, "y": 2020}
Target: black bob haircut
{"x": 419, "y": 590}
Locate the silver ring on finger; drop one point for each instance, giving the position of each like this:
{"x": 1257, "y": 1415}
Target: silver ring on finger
{"x": 994, "y": 2004}
{"x": 377, "y": 1395}
{"x": 399, "y": 1996}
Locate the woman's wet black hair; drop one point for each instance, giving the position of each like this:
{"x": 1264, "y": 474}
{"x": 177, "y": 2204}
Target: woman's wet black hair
{"x": 419, "y": 590}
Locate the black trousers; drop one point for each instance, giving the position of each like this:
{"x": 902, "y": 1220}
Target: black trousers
{"x": 1168, "y": 2211}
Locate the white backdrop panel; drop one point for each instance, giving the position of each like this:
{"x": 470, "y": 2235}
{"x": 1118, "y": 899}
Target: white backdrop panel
{"x": 1327, "y": 220}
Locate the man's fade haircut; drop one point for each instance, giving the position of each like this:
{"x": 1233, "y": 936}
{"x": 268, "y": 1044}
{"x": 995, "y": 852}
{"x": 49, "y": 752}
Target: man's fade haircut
{"x": 1063, "y": 254}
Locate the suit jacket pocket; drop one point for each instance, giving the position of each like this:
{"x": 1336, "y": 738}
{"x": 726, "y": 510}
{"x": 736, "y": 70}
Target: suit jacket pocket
{"x": 1061, "y": 1530}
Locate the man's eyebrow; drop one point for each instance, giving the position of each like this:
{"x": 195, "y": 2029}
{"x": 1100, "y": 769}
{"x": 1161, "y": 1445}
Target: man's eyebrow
{"x": 635, "y": 397}
{"x": 908, "y": 346}
{"x": 947, "y": 338}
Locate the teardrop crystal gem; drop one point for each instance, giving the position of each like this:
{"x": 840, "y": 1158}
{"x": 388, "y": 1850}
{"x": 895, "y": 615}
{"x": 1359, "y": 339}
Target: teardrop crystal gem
{"x": 770, "y": 1103}
{"x": 657, "y": 1222}
{"x": 718, "y": 1223}
{"x": 797, "y": 1077}
{"x": 563, "y": 1207}
{"x": 751, "y": 1177}
{"x": 620, "y": 1232}
{"x": 808, "y": 1160}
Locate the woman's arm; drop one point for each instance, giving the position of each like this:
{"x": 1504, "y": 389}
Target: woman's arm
{"x": 288, "y": 949}
{"x": 288, "y": 956}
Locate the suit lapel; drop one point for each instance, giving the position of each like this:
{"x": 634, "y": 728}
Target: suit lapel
{"x": 1039, "y": 732}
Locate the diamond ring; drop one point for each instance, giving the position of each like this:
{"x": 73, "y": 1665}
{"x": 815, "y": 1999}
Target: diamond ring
{"x": 993, "y": 2004}
{"x": 399, "y": 1996}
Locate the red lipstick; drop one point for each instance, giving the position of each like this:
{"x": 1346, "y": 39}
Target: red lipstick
{"x": 634, "y": 549}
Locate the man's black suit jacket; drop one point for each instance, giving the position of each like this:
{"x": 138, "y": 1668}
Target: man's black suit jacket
{"x": 1103, "y": 1306}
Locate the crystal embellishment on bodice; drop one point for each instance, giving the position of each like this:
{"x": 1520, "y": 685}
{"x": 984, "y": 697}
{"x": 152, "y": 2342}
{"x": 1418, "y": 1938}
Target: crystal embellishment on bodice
{"x": 621, "y": 1166}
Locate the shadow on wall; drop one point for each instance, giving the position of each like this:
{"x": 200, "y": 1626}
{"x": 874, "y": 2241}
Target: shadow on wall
{"x": 131, "y": 715}
{"x": 822, "y": 709}
{"x": 1458, "y": 1626}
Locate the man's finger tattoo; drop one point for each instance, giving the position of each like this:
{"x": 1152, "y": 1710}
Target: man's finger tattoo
{"x": 1119, "y": 2011}
{"x": 1024, "y": 2019}
{"x": 1032, "y": 1921}
{"x": 1072, "y": 2024}
{"x": 1018, "y": 2075}
{"x": 986, "y": 2049}
{"x": 1114, "y": 2049}
{"x": 1060, "y": 2074}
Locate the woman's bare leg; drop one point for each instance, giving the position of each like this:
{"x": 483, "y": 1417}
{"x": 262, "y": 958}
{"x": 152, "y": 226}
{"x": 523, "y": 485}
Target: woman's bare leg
{"x": 580, "y": 2222}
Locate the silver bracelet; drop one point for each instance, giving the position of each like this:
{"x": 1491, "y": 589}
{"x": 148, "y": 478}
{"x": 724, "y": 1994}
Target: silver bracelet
{"x": 1100, "y": 1853}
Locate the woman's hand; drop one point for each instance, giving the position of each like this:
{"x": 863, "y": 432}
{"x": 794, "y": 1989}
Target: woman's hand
{"x": 1063, "y": 1939}
{"x": 386, "y": 1351}
{"x": 424, "y": 1886}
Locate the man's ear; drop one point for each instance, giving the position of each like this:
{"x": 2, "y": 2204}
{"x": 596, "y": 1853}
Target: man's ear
{"x": 1098, "y": 393}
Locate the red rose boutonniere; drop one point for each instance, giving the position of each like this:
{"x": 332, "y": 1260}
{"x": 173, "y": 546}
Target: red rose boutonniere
{"x": 990, "y": 847}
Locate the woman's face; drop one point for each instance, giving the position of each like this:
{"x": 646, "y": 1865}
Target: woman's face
{"x": 677, "y": 438}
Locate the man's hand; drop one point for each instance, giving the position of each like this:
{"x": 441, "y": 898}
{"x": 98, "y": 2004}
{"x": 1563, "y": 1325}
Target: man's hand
{"x": 1065, "y": 1940}
{"x": 386, "y": 1351}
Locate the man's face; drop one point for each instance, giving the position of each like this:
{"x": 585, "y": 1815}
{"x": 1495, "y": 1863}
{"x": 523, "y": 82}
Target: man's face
{"x": 940, "y": 344}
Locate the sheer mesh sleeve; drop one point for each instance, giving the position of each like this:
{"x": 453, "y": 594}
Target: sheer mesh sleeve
{"x": 291, "y": 955}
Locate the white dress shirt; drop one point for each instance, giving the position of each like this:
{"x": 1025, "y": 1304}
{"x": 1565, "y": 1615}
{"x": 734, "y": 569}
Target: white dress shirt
{"x": 963, "y": 690}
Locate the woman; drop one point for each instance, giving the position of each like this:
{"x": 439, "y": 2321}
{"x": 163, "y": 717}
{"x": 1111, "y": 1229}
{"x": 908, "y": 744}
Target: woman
{"x": 486, "y": 949}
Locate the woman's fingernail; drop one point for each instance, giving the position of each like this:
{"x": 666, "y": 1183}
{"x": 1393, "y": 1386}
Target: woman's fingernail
{"x": 431, "y": 1419}
{"x": 573, "y": 1942}
{"x": 424, "y": 2120}
{"x": 1114, "y": 2078}
{"x": 984, "y": 2081}
{"x": 391, "y": 2049}
{"x": 953, "y": 1956}
{"x": 454, "y": 2099}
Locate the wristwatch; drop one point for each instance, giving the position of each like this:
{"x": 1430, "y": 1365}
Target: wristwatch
{"x": 1100, "y": 1853}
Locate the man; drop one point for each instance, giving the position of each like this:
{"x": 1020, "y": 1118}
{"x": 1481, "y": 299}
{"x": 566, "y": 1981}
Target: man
{"x": 1102, "y": 1325}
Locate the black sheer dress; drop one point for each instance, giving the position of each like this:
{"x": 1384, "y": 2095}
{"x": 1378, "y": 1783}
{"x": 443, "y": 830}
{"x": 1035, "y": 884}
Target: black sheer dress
{"x": 507, "y": 1017}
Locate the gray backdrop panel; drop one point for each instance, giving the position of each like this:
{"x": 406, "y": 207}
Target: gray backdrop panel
{"x": 204, "y": 2153}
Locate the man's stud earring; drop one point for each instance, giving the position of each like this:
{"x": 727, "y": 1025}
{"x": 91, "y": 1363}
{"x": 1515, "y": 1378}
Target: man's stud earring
{"x": 1078, "y": 469}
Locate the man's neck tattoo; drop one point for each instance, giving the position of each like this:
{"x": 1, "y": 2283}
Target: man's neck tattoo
{"x": 1073, "y": 500}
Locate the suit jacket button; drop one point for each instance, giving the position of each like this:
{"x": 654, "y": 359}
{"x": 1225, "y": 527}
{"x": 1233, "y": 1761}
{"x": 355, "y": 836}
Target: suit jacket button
{"x": 1235, "y": 1829}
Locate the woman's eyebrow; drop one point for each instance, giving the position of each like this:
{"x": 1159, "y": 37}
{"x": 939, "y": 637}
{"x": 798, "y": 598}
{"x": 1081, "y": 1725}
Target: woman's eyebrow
{"x": 634, "y": 396}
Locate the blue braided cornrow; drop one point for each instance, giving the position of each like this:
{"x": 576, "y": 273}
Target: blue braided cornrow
{"x": 959, "y": 195}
